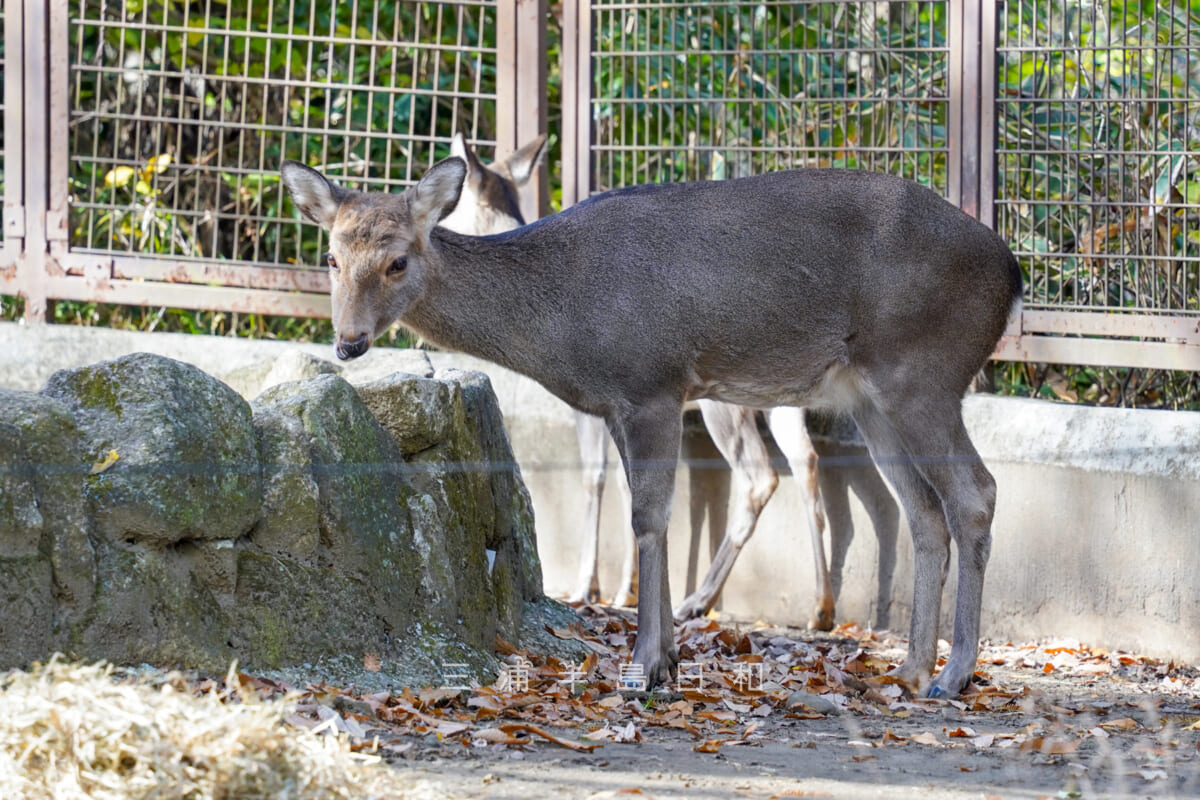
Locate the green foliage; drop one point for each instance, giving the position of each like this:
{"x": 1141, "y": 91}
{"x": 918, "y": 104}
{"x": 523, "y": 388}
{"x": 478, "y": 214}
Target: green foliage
{"x": 223, "y": 93}
{"x": 718, "y": 90}
{"x": 1097, "y": 114}
{"x": 181, "y": 114}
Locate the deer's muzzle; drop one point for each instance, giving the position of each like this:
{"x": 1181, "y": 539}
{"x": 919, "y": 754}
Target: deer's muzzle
{"x": 354, "y": 348}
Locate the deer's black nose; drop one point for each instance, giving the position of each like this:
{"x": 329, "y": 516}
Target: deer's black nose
{"x": 354, "y": 348}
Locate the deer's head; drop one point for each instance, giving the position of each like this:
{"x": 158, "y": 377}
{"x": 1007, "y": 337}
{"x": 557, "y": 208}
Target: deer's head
{"x": 377, "y": 244}
{"x": 376, "y": 241}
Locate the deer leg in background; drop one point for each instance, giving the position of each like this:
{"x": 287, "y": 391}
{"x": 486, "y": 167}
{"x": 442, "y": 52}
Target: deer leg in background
{"x": 881, "y": 507}
{"x": 835, "y": 498}
{"x": 735, "y": 433}
{"x": 593, "y": 454}
{"x": 627, "y": 586}
{"x": 791, "y": 435}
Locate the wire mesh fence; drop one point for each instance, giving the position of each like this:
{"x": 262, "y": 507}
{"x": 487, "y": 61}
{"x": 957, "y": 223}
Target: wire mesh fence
{"x": 181, "y": 113}
{"x": 1098, "y": 115}
{"x": 167, "y": 123}
{"x": 686, "y": 91}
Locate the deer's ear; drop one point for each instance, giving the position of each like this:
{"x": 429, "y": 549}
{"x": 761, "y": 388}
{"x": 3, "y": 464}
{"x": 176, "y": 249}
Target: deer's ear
{"x": 460, "y": 149}
{"x": 316, "y": 196}
{"x": 436, "y": 195}
{"x": 522, "y": 164}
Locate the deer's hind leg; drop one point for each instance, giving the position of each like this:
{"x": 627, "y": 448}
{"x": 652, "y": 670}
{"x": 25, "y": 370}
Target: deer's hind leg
{"x": 922, "y": 447}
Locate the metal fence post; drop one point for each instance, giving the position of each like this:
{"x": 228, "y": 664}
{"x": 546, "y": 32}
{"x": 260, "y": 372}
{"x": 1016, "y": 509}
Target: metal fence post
{"x": 11, "y": 273}
{"x": 35, "y": 31}
{"x": 969, "y": 105}
{"x": 576, "y": 101}
{"x": 529, "y": 100}
{"x": 987, "y": 112}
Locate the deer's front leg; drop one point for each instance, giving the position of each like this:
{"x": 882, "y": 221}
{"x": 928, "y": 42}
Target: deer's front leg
{"x": 649, "y": 443}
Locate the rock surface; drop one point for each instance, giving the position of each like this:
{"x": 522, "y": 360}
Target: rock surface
{"x": 309, "y": 529}
{"x": 186, "y": 463}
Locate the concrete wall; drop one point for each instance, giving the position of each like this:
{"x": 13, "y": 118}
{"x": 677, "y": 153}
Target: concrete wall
{"x": 1096, "y": 537}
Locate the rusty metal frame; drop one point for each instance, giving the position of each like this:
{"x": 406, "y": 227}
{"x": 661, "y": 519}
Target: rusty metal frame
{"x": 522, "y": 103}
{"x": 709, "y": 118}
{"x": 38, "y": 263}
{"x": 12, "y": 221}
{"x": 44, "y": 264}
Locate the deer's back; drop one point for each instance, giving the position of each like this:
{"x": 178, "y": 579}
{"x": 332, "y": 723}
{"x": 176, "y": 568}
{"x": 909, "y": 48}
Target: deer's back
{"x": 750, "y": 290}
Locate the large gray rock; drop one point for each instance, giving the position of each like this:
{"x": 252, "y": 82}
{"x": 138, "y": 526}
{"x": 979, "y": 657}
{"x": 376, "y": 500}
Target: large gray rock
{"x": 187, "y": 466}
{"x": 451, "y": 504}
{"x": 47, "y": 565}
{"x": 512, "y": 531}
{"x": 323, "y": 451}
{"x": 297, "y": 365}
{"x": 295, "y": 535}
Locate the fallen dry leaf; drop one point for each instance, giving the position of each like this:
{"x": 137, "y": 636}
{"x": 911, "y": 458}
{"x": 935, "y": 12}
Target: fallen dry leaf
{"x": 109, "y": 459}
{"x": 1049, "y": 745}
{"x": 927, "y": 738}
{"x": 1123, "y": 724}
{"x": 497, "y": 736}
{"x": 712, "y": 745}
{"x": 521, "y": 727}
{"x": 621, "y": 735}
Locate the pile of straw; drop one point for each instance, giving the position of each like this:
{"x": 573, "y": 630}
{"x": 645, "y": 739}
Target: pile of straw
{"x": 72, "y": 731}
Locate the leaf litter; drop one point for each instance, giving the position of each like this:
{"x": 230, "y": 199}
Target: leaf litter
{"x": 738, "y": 687}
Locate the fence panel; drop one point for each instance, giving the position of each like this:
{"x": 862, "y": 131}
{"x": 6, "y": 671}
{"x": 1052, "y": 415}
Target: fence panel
{"x": 687, "y": 91}
{"x": 167, "y": 123}
{"x": 1097, "y": 185}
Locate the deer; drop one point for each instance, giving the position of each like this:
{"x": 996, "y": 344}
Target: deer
{"x": 856, "y": 291}
{"x": 490, "y": 204}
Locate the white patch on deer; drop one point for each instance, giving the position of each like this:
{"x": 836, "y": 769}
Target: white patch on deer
{"x": 473, "y": 217}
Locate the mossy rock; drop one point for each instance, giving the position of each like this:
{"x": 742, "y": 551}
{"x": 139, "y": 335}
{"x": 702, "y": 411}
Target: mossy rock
{"x": 42, "y": 507}
{"x": 317, "y": 432}
{"x": 187, "y": 463}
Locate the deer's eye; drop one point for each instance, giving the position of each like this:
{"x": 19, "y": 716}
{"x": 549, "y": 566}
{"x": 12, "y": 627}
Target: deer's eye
{"x": 398, "y": 266}
{"x": 331, "y": 261}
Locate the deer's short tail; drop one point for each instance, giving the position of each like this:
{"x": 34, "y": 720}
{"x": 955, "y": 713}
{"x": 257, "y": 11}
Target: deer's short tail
{"x": 1016, "y": 282}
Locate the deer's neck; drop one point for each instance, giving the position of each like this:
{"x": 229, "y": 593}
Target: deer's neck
{"x": 493, "y": 297}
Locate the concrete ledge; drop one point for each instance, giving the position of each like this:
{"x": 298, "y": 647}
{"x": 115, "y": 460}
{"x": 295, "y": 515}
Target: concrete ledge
{"x": 1096, "y": 534}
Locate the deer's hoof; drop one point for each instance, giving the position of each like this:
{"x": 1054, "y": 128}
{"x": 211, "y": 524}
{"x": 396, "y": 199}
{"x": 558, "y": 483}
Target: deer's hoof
{"x": 659, "y": 666}
{"x": 911, "y": 679}
{"x": 582, "y": 597}
{"x": 689, "y": 609}
{"x": 625, "y": 599}
{"x": 822, "y": 619}
{"x": 950, "y": 682}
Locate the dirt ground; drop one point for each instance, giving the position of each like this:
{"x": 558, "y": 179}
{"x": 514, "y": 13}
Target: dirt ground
{"x": 1050, "y": 719}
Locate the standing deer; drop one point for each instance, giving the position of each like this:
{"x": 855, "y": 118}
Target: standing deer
{"x": 823, "y": 288}
{"x": 489, "y": 204}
